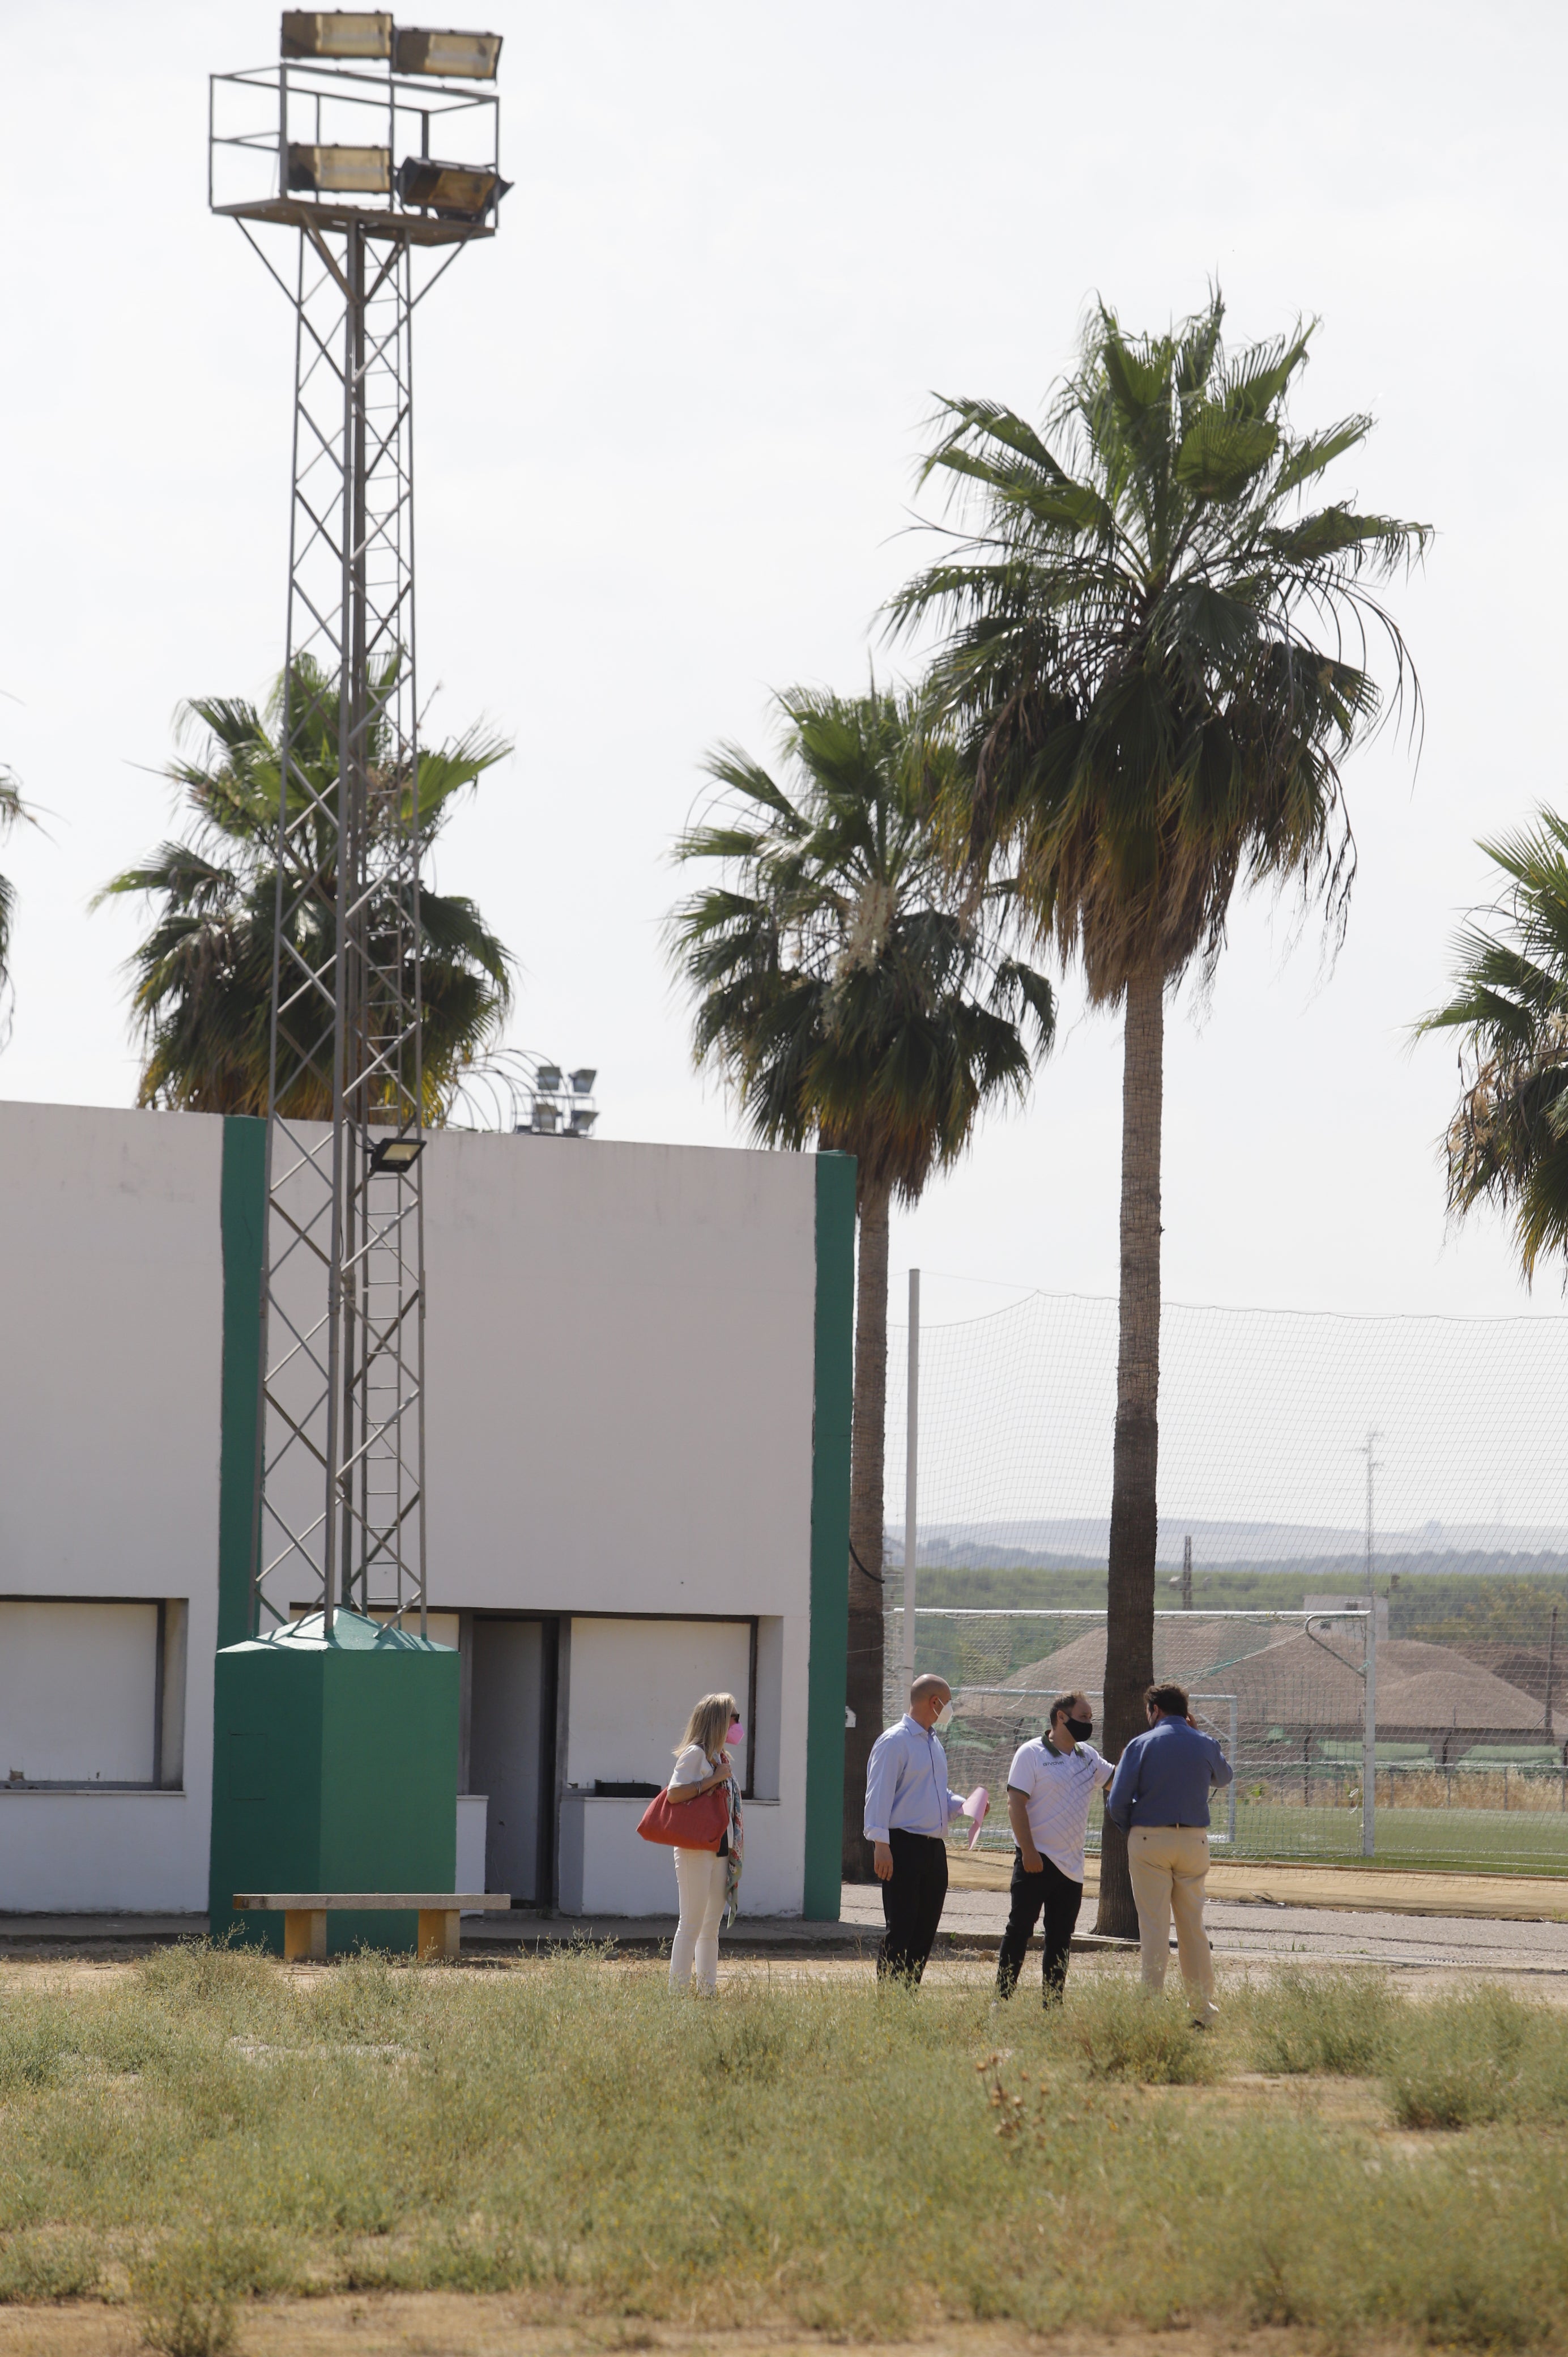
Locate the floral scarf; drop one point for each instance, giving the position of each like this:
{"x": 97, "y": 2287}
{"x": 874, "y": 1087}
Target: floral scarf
{"x": 736, "y": 1851}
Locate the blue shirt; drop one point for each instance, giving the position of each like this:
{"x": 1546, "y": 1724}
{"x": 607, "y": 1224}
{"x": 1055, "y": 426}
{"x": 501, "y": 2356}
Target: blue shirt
{"x": 906, "y": 1784}
{"x": 1164, "y": 1777}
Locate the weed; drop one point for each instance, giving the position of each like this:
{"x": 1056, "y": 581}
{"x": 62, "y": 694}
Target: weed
{"x": 1484, "y": 2055}
{"x": 32, "y": 2041}
{"x": 1331, "y": 2022}
{"x": 1117, "y": 2033}
{"x": 38, "y": 2268}
{"x": 186, "y": 2292}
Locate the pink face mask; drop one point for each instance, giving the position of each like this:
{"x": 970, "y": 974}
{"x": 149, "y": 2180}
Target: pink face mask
{"x": 735, "y": 1732}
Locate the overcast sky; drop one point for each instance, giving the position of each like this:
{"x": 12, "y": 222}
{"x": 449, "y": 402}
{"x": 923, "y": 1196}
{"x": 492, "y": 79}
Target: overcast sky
{"x": 668, "y": 430}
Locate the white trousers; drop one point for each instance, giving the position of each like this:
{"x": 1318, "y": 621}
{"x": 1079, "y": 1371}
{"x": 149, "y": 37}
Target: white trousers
{"x": 700, "y": 1876}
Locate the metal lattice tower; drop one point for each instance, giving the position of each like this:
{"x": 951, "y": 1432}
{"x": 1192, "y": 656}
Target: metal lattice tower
{"x": 341, "y": 1443}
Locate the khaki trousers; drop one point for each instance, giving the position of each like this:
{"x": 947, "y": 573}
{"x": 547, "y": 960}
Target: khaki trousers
{"x": 1169, "y": 1865}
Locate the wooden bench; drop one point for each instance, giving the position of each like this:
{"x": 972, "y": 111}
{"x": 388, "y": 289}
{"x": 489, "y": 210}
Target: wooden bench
{"x": 305, "y": 1914}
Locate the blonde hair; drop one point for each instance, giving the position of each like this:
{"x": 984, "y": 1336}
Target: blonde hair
{"x": 709, "y": 1723}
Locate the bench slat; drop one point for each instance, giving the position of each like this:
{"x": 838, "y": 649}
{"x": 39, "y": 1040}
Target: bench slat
{"x": 279, "y": 1902}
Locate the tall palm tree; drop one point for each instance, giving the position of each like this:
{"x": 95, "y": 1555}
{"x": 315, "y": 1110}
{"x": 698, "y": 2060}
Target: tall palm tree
{"x": 855, "y": 997}
{"x": 202, "y": 1003}
{"x": 14, "y": 811}
{"x": 1507, "y": 1142}
{"x": 1157, "y": 649}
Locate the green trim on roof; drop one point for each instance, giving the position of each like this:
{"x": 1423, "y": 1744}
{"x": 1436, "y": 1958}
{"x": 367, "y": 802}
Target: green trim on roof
{"x": 242, "y": 1222}
{"x": 832, "y": 1406}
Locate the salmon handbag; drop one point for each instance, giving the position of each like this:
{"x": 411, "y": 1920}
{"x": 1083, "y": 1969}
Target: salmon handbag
{"x": 701, "y": 1823}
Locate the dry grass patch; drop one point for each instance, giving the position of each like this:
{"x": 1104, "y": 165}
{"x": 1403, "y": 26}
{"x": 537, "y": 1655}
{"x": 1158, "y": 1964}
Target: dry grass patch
{"x": 810, "y": 2156}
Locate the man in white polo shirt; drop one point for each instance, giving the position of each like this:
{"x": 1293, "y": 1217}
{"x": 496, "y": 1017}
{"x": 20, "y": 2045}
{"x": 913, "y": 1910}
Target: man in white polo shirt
{"x": 1050, "y": 1787}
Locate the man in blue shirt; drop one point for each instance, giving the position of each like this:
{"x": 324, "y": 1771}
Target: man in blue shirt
{"x": 1159, "y": 1797}
{"x": 907, "y": 1805}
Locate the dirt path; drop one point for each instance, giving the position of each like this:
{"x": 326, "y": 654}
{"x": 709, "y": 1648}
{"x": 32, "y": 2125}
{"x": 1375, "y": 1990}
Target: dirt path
{"x": 440, "y": 2324}
{"x": 1499, "y": 1897}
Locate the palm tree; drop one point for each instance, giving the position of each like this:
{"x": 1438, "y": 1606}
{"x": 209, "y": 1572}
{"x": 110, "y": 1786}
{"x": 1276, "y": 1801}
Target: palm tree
{"x": 1156, "y": 651}
{"x": 201, "y": 1004}
{"x": 856, "y": 998}
{"x": 1507, "y": 1142}
{"x": 14, "y": 811}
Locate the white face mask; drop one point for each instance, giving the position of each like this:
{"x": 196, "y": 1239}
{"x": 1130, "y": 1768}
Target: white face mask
{"x": 944, "y": 1719}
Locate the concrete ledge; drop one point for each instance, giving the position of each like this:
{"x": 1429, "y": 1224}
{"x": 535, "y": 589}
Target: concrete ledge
{"x": 524, "y": 1930}
{"x": 752, "y": 1935}
{"x": 98, "y": 1931}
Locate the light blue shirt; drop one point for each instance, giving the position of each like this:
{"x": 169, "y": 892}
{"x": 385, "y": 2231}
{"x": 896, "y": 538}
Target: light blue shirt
{"x": 906, "y": 1784}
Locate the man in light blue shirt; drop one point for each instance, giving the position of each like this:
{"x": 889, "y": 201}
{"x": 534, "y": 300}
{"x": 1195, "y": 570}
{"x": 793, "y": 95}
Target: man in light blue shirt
{"x": 1159, "y": 1797}
{"x": 908, "y": 1806}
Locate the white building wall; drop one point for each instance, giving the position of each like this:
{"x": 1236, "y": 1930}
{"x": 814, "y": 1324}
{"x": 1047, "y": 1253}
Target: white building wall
{"x": 620, "y": 1353}
{"x": 109, "y": 1447}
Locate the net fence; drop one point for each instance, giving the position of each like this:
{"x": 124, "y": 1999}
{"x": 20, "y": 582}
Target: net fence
{"x": 1328, "y": 1486}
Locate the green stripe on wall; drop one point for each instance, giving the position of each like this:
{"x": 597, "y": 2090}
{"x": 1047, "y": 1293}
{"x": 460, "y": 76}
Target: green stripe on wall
{"x": 243, "y": 1216}
{"x": 833, "y": 1400}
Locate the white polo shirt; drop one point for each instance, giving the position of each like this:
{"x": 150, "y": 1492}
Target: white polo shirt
{"x": 1057, "y": 1787}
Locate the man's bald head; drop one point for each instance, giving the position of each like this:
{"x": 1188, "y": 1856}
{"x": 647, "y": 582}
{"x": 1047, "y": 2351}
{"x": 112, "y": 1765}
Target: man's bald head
{"x": 927, "y": 1696}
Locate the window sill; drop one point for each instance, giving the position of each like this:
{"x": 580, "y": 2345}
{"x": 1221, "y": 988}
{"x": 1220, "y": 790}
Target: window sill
{"x": 119, "y": 1791}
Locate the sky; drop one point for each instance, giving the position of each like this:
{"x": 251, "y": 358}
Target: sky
{"x": 668, "y": 431}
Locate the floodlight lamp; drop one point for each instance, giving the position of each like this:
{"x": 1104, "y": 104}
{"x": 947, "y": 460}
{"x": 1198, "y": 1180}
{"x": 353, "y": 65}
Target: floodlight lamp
{"x": 548, "y": 1078}
{"x": 582, "y": 1081}
{"x": 340, "y": 171}
{"x": 335, "y": 33}
{"x": 465, "y": 57}
{"x": 546, "y": 1120}
{"x": 582, "y": 1120}
{"x": 461, "y": 192}
{"x": 397, "y": 1155}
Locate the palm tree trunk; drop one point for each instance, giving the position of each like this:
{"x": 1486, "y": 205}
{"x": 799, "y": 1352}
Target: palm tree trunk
{"x": 1129, "y": 1599}
{"x": 863, "y": 1684}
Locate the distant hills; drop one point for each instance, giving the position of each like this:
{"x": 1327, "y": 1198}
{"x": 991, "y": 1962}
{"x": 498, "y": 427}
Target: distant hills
{"x": 1318, "y": 1551}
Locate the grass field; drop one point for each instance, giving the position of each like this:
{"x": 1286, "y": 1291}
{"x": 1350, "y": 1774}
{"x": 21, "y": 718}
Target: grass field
{"x": 1492, "y": 1841}
{"x": 1475, "y": 1841}
{"x": 207, "y": 2129}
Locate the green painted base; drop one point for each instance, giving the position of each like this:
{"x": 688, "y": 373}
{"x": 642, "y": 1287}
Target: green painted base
{"x": 335, "y": 1768}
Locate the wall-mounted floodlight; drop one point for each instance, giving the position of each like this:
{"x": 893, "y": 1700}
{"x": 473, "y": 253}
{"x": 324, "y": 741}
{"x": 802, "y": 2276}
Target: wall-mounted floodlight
{"x": 340, "y": 171}
{"x": 467, "y": 57}
{"x": 396, "y": 1154}
{"x": 335, "y": 33}
{"x": 582, "y": 1081}
{"x": 451, "y": 191}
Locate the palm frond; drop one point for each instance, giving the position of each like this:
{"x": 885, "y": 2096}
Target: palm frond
{"x": 845, "y": 981}
{"x": 1154, "y": 663}
{"x": 202, "y": 974}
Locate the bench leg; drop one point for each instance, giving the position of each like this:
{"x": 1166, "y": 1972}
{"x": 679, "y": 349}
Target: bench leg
{"x": 437, "y": 1934}
{"x": 304, "y": 1934}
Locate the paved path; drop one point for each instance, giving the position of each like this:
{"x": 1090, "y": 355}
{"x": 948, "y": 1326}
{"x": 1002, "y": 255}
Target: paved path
{"x": 1275, "y": 1932}
{"x": 971, "y": 1925}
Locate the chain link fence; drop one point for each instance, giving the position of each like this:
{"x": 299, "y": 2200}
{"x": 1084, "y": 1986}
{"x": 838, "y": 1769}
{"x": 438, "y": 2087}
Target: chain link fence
{"x": 1331, "y": 1488}
{"x": 1460, "y": 1773}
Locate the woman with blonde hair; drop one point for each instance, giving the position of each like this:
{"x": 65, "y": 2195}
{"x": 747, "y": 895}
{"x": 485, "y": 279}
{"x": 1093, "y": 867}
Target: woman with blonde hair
{"x": 706, "y": 1879}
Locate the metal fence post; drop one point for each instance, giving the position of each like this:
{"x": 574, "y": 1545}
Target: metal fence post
{"x": 1370, "y": 1737}
{"x": 1230, "y": 1789}
{"x": 911, "y": 1458}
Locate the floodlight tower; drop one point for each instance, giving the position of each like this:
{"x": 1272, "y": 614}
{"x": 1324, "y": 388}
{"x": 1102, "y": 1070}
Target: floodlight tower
{"x": 334, "y": 144}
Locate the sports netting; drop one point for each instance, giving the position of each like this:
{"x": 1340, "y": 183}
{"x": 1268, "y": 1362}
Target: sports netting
{"x": 1267, "y": 1530}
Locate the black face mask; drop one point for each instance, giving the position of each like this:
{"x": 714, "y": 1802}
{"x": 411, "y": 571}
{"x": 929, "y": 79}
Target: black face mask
{"x": 1078, "y": 1727}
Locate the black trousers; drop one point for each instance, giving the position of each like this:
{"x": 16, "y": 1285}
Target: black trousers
{"x": 1049, "y": 1893}
{"x": 912, "y": 1903}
